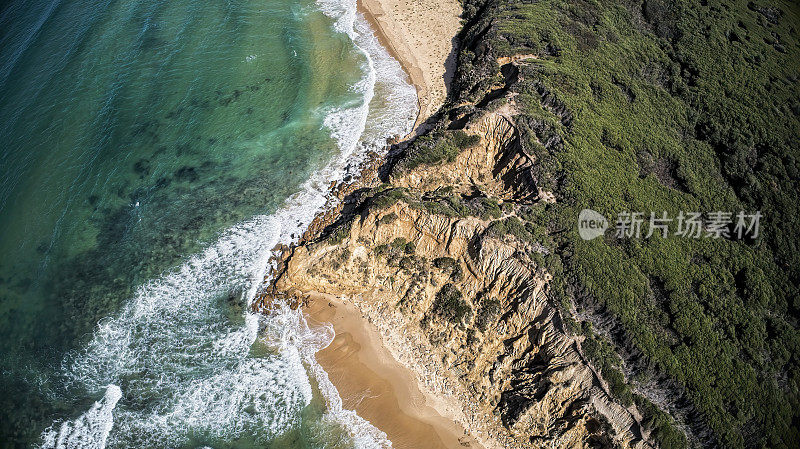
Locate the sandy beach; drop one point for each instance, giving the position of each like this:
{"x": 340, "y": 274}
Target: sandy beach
{"x": 376, "y": 386}
{"x": 421, "y": 35}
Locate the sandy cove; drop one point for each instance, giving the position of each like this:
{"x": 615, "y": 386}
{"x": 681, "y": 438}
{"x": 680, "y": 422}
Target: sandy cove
{"x": 371, "y": 382}
{"x": 420, "y": 34}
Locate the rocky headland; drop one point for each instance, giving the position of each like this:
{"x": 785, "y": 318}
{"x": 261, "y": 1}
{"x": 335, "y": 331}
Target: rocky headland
{"x": 460, "y": 247}
{"x": 428, "y": 254}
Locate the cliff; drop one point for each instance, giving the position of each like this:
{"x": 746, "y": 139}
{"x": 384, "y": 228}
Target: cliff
{"x": 462, "y": 245}
{"x": 461, "y": 302}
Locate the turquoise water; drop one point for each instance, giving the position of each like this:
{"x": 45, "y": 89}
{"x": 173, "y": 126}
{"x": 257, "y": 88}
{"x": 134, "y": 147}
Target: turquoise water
{"x": 152, "y": 154}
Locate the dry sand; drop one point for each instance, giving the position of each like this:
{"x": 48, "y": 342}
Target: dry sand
{"x": 421, "y": 35}
{"x": 376, "y": 386}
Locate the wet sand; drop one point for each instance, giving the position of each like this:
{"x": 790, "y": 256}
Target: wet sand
{"x": 421, "y": 35}
{"x": 376, "y": 386}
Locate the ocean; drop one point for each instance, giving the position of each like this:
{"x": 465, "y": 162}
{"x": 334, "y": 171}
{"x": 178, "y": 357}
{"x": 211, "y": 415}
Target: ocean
{"x": 153, "y": 154}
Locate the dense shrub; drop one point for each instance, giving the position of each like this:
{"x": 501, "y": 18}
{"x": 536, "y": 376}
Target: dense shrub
{"x": 666, "y": 106}
{"x": 463, "y": 140}
{"x": 488, "y": 314}
{"x": 401, "y": 244}
{"x": 450, "y": 305}
{"x": 430, "y": 150}
{"x": 387, "y": 219}
{"x": 387, "y": 197}
{"x": 449, "y": 265}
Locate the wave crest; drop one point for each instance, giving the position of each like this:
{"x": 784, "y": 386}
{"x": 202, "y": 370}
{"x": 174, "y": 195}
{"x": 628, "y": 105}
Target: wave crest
{"x": 185, "y": 360}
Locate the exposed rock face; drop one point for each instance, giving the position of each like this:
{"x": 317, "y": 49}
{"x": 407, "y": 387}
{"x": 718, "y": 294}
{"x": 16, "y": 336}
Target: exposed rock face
{"x": 497, "y": 164}
{"x": 466, "y": 307}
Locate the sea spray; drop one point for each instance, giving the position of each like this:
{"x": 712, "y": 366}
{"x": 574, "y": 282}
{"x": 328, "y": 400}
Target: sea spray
{"x": 172, "y": 342}
{"x": 88, "y": 431}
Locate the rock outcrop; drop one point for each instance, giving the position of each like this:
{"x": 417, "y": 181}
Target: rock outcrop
{"x": 462, "y": 301}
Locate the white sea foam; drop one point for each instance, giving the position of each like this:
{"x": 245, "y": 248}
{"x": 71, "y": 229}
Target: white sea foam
{"x": 88, "y": 431}
{"x": 392, "y": 113}
{"x": 393, "y": 109}
{"x": 362, "y": 434}
{"x": 172, "y": 342}
{"x": 181, "y": 350}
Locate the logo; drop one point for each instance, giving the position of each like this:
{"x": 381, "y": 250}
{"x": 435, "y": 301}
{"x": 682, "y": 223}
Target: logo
{"x": 591, "y": 224}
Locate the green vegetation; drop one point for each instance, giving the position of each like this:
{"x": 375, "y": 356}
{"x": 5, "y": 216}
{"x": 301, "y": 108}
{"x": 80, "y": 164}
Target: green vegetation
{"x": 430, "y": 149}
{"x": 462, "y": 140}
{"x": 603, "y": 357}
{"x": 387, "y": 219}
{"x": 401, "y": 244}
{"x": 450, "y": 305}
{"x": 523, "y": 231}
{"x": 444, "y": 202}
{"x": 382, "y": 250}
{"x": 485, "y": 208}
{"x": 663, "y": 106}
{"x": 450, "y": 206}
{"x": 488, "y": 314}
{"x": 400, "y": 253}
{"x": 387, "y": 197}
{"x": 449, "y": 265}
{"x": 662, "y": 424}
{"x": 340, "y": 233}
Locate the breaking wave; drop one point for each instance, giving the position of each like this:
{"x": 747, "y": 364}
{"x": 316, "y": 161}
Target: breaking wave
{"x": 185, "y": 362}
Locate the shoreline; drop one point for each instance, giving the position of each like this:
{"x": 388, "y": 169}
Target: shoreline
{"x": 375, "y": 385}
{"x": 418, "y": 40}
{"x": 368, "y": 378}
{"x": 371, "y": 10}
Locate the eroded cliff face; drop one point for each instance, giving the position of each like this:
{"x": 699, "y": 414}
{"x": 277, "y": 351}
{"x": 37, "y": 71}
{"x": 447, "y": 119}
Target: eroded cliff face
{"x": 497, "y": 164}
{"x": 462, "y": 301}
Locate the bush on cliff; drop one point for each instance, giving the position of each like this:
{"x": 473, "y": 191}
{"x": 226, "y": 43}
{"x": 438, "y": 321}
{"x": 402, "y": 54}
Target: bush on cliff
{"x": 450, "y": 305}
{"x": 433, "y": 149}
